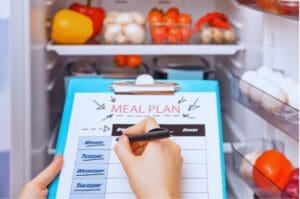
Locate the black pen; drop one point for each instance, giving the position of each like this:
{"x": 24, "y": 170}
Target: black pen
{"x": 153, "y": 134}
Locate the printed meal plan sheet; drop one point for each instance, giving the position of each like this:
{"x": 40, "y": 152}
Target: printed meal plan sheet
{"x": 91, "y": 167}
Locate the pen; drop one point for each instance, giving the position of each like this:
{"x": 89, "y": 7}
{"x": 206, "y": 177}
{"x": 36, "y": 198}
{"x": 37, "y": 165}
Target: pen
{"x": 153, "y": 134}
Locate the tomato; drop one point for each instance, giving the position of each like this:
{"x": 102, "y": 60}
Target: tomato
{"x": 155, "y": 16}
{"x": 159, "y": 34}
{"x": 120, "y": 60}
{"x": 169, "y": 20}
{"x": 186, "y": 34}
{"x": 173, "y": 12}
{"x": 185, "y": 18}
{"x": 275, "y": 167}
{"x": 134, "y": 61}
{"x": 174, "y": 35}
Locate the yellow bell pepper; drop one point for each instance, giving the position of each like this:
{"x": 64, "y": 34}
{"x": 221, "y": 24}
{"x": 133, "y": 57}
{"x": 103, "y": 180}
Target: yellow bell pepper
{"x": 69, "y": 27}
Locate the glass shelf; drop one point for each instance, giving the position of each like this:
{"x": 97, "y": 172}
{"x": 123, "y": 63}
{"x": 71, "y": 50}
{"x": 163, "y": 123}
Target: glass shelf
{"x": 252, "y": 4}
{"x": 243, "y": 166}
{"x": 274, "y": 111}
{"x": 144, "y": 49}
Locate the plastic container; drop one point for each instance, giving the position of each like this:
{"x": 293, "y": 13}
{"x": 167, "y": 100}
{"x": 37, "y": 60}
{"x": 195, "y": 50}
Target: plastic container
{"x": 244, "y": 166}
{"x": 162, "y": 33}
{"x": 288, "y": 7}
{"x": 276, "y": 112}
{"x": 268, "y": 5}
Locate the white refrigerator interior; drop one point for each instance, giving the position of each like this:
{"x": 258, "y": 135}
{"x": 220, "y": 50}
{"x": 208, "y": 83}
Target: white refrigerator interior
{"x": 38, "y": 68}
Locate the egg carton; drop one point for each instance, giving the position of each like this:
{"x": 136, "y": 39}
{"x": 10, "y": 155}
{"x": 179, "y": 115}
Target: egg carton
{"x": 274, "y": 110}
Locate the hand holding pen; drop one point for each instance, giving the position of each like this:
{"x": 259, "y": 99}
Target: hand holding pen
{"x": 153, "y": 167}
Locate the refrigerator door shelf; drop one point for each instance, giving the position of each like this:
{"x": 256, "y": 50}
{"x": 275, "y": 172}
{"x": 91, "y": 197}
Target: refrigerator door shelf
{"x": 271, "y": 109}
{"x": 280, "y": 7}
{"x": 145, "y": 49}
{"x": 244, "y": 154}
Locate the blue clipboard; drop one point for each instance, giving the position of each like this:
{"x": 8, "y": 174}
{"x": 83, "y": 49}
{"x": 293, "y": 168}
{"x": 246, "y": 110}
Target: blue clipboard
{"x": 94, "y": 84}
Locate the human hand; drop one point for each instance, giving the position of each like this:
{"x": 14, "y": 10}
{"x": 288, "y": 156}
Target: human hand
{"x": 37, "y": 188}
{"x": 153, "y": 168}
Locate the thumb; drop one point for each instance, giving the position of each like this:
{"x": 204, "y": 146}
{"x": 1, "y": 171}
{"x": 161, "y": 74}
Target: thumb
{"x": 48, "y": 174}
{"x": 124, "y": 152}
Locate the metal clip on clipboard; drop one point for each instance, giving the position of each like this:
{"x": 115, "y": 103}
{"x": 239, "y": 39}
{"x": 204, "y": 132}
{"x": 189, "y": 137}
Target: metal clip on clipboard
{"x": 145, "y": 84}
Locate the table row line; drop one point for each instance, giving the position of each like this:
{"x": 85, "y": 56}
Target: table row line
{"x": 105, "y": 171}
{"x": 91, "y": 186}
{"x": 108, "y": 142}
{"x": 109, "y": 156}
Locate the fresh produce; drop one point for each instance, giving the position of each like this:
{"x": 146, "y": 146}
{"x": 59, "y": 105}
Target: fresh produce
{"x": 120, "y": 60}
{"x": 274, "y": 166}
{"x": 124, "y": 27}
{"x": 215, "y": 27}
{"x": 269, "y": 5}
{"x": 288, "y": 7}
{"x": 70, "y": 27}
{"x": 132, "y": 61}
{"x": 291, "y": 189}
{"x": 169, "y": 27}
{"x": 246, "y": 169}
{"x": 96, "y": 14}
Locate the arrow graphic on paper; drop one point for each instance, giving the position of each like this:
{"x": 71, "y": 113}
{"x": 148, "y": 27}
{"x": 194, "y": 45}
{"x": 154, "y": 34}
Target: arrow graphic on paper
{"x": 181, "y": 100}
{"x": 194, "y": 106}
{"x": 113, "y": 99}
{"x": 100, "y": 106}
{"x": 108, "y": 117}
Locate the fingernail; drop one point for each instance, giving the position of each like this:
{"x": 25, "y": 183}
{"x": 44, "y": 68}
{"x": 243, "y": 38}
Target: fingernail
{"x": 56, "y": 157}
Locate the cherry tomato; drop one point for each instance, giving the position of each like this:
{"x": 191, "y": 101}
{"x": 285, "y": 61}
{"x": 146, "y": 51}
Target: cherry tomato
{"x": 186, "y": 34}
{"x": 159, "y": 34}
{"x": 169, "y": 21}
{"x": 185, "y": 18}
{"x": 155, "y": 16}
{"x": 173, "y": 12}
{"x": 120, "y": 60}
{"x": 134, "y": 61}
{"x": 274, "y": 166}
{"x": 174, "y": 35}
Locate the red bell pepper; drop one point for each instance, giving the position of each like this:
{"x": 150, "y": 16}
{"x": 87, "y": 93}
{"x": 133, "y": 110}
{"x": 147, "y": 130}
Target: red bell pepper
{"x": 209, "y": 17}
{"x": 219, "y": 23}
{"x": 96, "y": 14}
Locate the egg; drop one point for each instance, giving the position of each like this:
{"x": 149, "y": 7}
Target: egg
{"x": 275, "y": 78}
{"x": 246, "y": 167}
{"x": 273, "y": 102}
{"x": 293, "y": 96}
{"x": 206, "y": 35}
{"x": 248, "y": 77}
{"x": 217, "y": 35}
{"x": 229, "y": 36}
{"x": 265, "y": 71}
{"x": 256, "y": 91}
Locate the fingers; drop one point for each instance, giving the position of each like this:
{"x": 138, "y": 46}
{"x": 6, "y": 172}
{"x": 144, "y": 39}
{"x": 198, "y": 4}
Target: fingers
{"x": 48, "y": 174}
{"x": 142, "y": 127}
{"x": 124, "y": 151}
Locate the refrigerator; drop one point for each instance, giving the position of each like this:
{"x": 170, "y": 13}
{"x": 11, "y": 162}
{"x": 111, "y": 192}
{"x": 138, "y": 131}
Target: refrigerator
{"x": 38, "y": 69}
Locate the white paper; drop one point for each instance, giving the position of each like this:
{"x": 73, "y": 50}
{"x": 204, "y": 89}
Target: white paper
{"x": 92, "y": 169}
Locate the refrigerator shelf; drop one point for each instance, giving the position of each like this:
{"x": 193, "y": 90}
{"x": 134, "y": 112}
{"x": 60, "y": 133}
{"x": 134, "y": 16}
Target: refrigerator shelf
{"x": 252, "y": 5}
{"x": 243, "y": 166}
{"x": 145, "y": 49}
{"x": 274, "y": 111}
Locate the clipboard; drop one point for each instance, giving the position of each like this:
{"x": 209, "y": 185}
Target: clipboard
{"x": 84, "y": 91}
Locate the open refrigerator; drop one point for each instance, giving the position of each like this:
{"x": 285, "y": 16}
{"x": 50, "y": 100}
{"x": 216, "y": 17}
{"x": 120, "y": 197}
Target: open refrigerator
{"x": 39, "y": 69}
